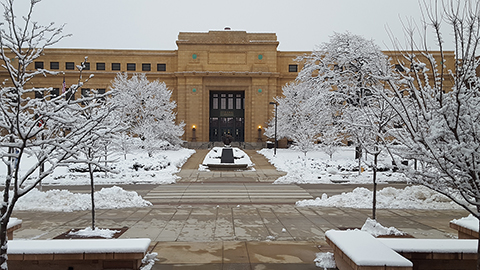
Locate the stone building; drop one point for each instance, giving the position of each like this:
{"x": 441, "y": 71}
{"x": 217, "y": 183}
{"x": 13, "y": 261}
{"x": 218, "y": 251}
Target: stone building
{"x": 222, "y": 81}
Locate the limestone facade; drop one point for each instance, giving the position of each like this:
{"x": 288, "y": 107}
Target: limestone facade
{"x": 205, "y": 66}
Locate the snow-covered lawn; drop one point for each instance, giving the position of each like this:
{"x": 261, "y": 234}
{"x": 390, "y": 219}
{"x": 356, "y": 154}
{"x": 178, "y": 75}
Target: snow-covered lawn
{"x": 317, "y": 167}
{"x": 137, "y": 168}
{"x": 412, "y": 197}
{"x": 66, "y": 201}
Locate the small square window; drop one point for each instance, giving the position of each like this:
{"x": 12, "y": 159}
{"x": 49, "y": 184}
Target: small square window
{"x": 69, "y": 65}
{"x": 131, "y": 66}
{"x": 161, "y": 67}
{"x": 292, "y": 68}
{"x": 399, "y": 68}
{"x": 38, "y": 65}
{"x": 115, "y": 66}
{"x": 100, "y": 66}
{"x": 146, "y": 67}
{"x": 55, "y": 92}
{"x": 87, "y": 66}
{"x": 54, "y": 65}
{"x": 38, "y": 94}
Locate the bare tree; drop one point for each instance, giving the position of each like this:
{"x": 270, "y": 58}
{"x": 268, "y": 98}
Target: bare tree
{"x": 436, "y": 95}
{"x": 46, "y": 127}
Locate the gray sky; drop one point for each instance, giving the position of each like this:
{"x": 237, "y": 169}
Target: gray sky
{"x": 155, "y": 24}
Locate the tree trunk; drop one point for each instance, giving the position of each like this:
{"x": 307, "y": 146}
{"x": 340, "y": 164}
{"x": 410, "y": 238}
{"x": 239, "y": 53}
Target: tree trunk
{"x": 478, "y": 241}
{"x": 92, "y": 192}
{"x": 374, "y": 207}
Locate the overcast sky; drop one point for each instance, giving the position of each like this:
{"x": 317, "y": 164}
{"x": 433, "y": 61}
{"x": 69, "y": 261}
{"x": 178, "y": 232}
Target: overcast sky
{"x": 155, "y": 24}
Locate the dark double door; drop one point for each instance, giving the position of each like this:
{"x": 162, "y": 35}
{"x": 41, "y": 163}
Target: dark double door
{"x": 227, "y": 115}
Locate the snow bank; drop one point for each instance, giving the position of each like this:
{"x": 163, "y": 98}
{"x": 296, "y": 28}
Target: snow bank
{"x": 376, "y": 229}
{"x": 66, "y": 201}
{"x": 325, "y": 260}
{"x": 412, "y": 197}
{"x": 88, "y": 232}
{"x": 317, "y": 167}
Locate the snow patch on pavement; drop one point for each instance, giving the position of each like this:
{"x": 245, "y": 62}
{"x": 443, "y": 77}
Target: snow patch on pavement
{"x": 66, "y": 201}
{"x": 412, "y": 197}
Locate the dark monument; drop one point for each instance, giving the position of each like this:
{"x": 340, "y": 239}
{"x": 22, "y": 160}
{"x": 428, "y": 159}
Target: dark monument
{"x": 227, "y": 155}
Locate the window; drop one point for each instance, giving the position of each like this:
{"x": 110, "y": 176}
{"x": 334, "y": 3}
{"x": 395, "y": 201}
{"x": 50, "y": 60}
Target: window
{"x": 100, "y": 66}
{"x": 238, "y": 102}
{"x": 70, "y": 95}
{"x": 85, "y": 93}
{"x": 87, "y": 66}
{"x": 215, "y": 102}
{"x": 230, "y": 101}
{"x": 38, "y": 94}
{"x": 399, "y": 68}
{"x": 292, "y": 68}
{"x": 146, "y": 67}
{"x": 55, "y": 92}
{"x": 54, "y": 65}
{"x": 38, "y": 65}
{"x": 131, "y": 66}
{"x": 69, "y": 65}
{"x": 101, "y": 91}
{"x": 161, "y": 67}
{"x": 115, "y": 66}
{"x": 223, "y": 101}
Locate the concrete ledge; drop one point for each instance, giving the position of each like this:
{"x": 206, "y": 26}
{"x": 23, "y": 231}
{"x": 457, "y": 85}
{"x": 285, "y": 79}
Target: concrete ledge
{"x": 77, "y": 253}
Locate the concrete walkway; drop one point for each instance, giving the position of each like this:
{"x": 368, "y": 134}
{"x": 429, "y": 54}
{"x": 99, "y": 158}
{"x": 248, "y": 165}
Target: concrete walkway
{"x": 215, "y": 220}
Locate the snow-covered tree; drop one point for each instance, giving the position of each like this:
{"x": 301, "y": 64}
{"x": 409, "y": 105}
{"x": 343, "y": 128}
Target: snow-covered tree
{"x": 99, "y": 108}
{"x": 439, "y": 109}
{"x": 46, "y": 128}
{"x": 300, "y": 115}
{"x": 348, "y": 67}
{"x": 147, "y": 109}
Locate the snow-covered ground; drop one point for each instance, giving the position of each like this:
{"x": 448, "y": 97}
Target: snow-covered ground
{"x": 214, "y": 157}
{"x": 317, "y": 167}
{"x": 412, "y": 197}
{"x": 66, "y": 201}
{"x": 137, "y": 168}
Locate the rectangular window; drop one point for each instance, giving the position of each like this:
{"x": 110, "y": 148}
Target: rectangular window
{"x": 101, "y": 91}
{"x": 87, "y": 66}
{"x": 115, "y": 66}
{"x": 100, "y": 66}
{"x": 230, "y": 101}
{"x": 69, "y": 65}
{"x": 38, "y": 65}
{"x": 146, "y": 67}
{"x": 55, "y": 92}
{"x": 131, "y": 66}
{"x": 54, "y": 65}
{"x": 215, "y": 102}
{"x": 38, "y": 94}
{"x": 223, "y": 102}
{"x": 292, "y": 68}
{"x": 238, "y": 102}
{"x": 161, "y": 67}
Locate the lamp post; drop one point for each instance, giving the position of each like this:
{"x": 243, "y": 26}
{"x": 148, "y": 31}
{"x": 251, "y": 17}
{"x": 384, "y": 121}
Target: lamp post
{"x": 275, "y": 145}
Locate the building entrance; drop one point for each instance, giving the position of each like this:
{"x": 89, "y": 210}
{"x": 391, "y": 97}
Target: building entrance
{"x": 227, "y": 115}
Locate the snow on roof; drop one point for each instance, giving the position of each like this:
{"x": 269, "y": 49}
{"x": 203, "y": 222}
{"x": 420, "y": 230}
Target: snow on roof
{"x": 13, "y": 222}
{"x": 69, "y": 246}
{"x": 469, "y": 222}
{"x": 364, "y": 249}
{"x": 431, "y": 245}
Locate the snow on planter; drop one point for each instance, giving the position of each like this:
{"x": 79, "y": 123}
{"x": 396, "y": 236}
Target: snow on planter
{"x": 469, "y": 222}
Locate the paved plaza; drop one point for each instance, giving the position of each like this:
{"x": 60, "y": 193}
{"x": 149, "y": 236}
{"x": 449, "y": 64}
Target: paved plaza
{"x": 234, "y": 220}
